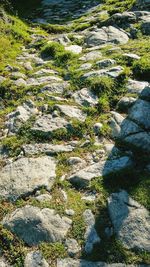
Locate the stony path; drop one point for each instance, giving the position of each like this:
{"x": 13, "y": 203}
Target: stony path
{"x": 50, "y": 180}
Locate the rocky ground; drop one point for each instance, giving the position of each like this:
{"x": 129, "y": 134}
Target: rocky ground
{"x": 75, "y": 138}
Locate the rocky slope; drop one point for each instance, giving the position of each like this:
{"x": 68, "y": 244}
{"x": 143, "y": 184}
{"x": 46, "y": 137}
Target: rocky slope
{"x": 75, "y": 135}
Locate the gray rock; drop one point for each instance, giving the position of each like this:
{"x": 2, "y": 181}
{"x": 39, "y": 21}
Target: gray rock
{"x": 131, "y": 221}
{"x": 72, "y": 247}
{"x": 35, "y": 259}
{"x": 72, "y": 112}
{"x": 43, "y": 72}
{"x": 131, "y": 56}
{"x": 115, "y": 124}
{"x": 145, "y": 27}
{"x": 85, "y": 66}
{"x": 70, "y": 212}
{"x": 125, "y": 103}
{"x": 30, "y": 149}
{"x": 97, "y": 127}
{"x": 78, "y": 263}
{"x": 75, "y": 160}
{"x": 104, "y": 35}
{"x": 104, "y": 63}
{"x": 76, "y": 49}
{"x": 28, "y": 66}
{"x": 134, "y": 86}
{"x": 112, "y": 72}
{"x": 145, "y": 94}
{"x": 140, "y": 113}
{"x": 20, "y": 82}
{"x": 16, "y": 118}
{"x": 85, "y": 97}
{"x": 34, "y": 225}
{"x": 43, "y": 198}
{"x": 91, "y": 236}
{"x": 83, "y": 177}
{"x": 93, "y": 55}
{"x": 140, "y": 141}
{"x": 47, "y": 124}
{"x": 55, "y": 87}
{"x": 26, "y": 175}
{"x": 3, "y": 263}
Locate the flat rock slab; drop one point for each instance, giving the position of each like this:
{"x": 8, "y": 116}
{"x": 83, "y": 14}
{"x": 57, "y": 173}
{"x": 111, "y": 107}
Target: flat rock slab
{"x": 46, "y": 148}
{"x": 34, "y": 225}
{"x": 83, "y": 177}
{"x": 104, "y": 35}
{"x": 25, "y": 175}
{"x": 134, "y": 86}
{"x": 72, "y": 112}
{"x": 130, "y": 220}
{"x": 47, "y": 124}
{"x": 83, "y": 263}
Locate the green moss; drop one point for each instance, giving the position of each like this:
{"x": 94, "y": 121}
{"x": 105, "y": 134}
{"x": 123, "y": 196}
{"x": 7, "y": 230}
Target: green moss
{"x": 141, "y": 68}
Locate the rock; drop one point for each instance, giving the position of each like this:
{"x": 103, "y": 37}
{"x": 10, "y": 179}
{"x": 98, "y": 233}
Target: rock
{"x": 64, "y": 195}
{"x": 34, "y": 225}
{"x": 145, "y": 94}
{"x": 125, "y": 103}
{"x": 26, "y": 175}
{"x": 131, "y": 56}
{"x": 140, "y": 113}
{"x": 45, "y": 148}
{"x": 43, "y": 80}
{"x": 43, "y": 72}
{"x": 75, "y": 160}
{"x": 89, "y": 197}
{"x": 104, "y": 63}
{"x": 115, "y": 124}
{"x": 112, "y": 72}
{"x": 78, "y": 263}
{"x": 16, "y": 75}
{"x": 104, "y": 35}
{"x": 43, "y": 198}
{"x": 63, "y": 39}
{"x": 83, "y": 177}
{"x": 97, "y": 127}
{"x": 3, "y": 263}
{"x": 143, "y": 3}
{"x": 76, "y": 49}
{"x": 20, "y": 82}
{"x": 139, "y": 140}
{"x": 23, "y": 113}
{"x": 46, "y": 124}
{"x": 85, "y": 66}
{"x": 85, "y": 97}
{"x": 35, "y": 259}
{"x": 136, "y": 86}
{"x": 93, "y": 55}
{"x": 72, "y": 247}
{"x": 91, "y": 236}
{"x": 28, "y": 66}
{"x": 70, "y": 212}
{"x": 130, "y": 220}
{"x": 55, "y": 87}
{"x": 122, "y": 19}
{"x": 145, "y": 27}
{"x": 71, "y": 111}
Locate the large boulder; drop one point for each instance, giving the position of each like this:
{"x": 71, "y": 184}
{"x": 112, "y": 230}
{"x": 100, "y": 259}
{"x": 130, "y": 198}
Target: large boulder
{"x": 104, "y": 35}
{"x": 130, "y": 220}
{"x": 34, "y": 225}
{"x": 25, "y": 175}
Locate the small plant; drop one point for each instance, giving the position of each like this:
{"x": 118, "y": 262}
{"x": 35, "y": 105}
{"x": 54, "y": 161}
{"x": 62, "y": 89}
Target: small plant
{"x": 100, "y": 85}
{"x": 141, "y": 68}
{"x": 103, "y": 104}
{"x": 52, "y": 252}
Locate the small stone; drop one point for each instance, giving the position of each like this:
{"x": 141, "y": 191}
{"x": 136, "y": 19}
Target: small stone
{"x": 43, "y": 198}
{"x": 76, "y": 49}
{"x": 97, "y": 127}
{"x": 70, "y": 212}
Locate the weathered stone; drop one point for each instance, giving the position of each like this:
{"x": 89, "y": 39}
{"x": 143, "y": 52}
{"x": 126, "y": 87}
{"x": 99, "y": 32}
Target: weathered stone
{"x": 131, "y": 221}
{"x": 86, "y": 66}
{"x": 43, "y": 198}
{"x": 125, "y": 103}
{"x": 85, "y": 97}
{"x": 104, "y": 63}
{"x": 26, "y": 175}
{"x": 115, "y": 124}
{"x": 83, "y": 177}
{"x": 55, "y": 87}
{"x": 112, "y": 72}
{"x": 34, "y": 225}
{"x": 47, "y": 124}
{"x": 140, "y": 113}
{"x": 134, "y": 86}
{"x": 20, "y": 82}
{"x": 72, "y": 112}
{"x": 16, "y": 118}
{"x": 35, "y": 259}
{"x": 91, "y": 236}
{"x": 93, "y": 55}
{"x": 78, "y": 263}
{"x": 104, "y": 35}
{"x": 28, "y": 66}
{"x": 30, "y": 149}
{"x": 131, "y": 56}
{"x": 3, "y": 263}
{"x": 75, "y": 160}
{"x": 72, "y": 247}
{"x": 76, "y": 49}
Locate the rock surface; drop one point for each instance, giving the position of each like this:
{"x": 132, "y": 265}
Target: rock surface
{"x": 129, "y": 220}
{"x": 25, "y": 175}
{"x": 34, "y": 225}
{"x": 35, "y": 259}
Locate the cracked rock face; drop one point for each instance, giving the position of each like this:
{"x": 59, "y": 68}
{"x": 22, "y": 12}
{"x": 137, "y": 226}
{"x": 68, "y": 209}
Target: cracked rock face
{"x": 106, "y": 35}
{"x": 25, "y": 175}
{"x": 72, "y": 112}
{"x": 130, "y": 220}
{"x": 34, "y": 225}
